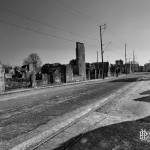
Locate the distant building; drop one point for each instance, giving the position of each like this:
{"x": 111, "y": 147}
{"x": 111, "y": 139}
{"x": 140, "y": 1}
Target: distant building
{"x": 141, "y": 68}
{"x": 147, "y": 67}
{"x": 128, "y": 67}
{"x": 131, "y": 67}
{"x": 119, "y": 63}
{"x": 97, "y": 68}
{"x": 88, "y": 66}
{"x": 134, "y": 66}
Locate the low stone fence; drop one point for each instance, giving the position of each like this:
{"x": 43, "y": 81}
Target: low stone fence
{"x": 11, "y": 84}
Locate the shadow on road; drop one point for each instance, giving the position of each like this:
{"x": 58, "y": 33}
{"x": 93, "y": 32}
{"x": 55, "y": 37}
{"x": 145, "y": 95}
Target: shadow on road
{"x": 145, "y": 92}
{"x": 125, "y": 80}
{"x": 121, "y": 136}
{"x": 145, "y": 98}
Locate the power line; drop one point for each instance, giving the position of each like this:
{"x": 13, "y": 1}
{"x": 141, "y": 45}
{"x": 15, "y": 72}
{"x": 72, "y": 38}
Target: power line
{"x": 33, "y": 30}
{"x": 76, "y": 11}
{"x": 42, "y": 23}
{"x": 49, "y": 25}
{"x": 114, "y": 35}
{"x": 107, "y": 45}
{"x": 39, "y": 32}
{"x": 71, "y": 9}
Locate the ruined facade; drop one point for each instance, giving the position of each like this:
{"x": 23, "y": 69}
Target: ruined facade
{"x": 57, "y": 76}
{"x": 80, "y": 57}
{"x": 119, "y": 63}
{"x": 69, "y": 73}
{"x": 96, "y": 70}
{"x": 32, "y": 71}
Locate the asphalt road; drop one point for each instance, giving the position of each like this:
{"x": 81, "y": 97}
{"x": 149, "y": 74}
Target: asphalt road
{"x": 25, "y": 113}
{"x": 122, "y": 135}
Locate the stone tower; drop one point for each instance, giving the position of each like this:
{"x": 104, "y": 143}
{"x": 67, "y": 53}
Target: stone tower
{"x": 80, "y": 57}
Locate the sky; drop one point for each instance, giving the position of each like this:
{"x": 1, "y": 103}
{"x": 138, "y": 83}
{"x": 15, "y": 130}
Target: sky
{"x": 51, "y": 29}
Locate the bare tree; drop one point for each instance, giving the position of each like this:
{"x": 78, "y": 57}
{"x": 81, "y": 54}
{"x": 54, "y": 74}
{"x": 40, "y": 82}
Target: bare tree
{"x": 33, "y": 58}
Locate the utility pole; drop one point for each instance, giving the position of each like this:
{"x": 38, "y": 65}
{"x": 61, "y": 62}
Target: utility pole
{"x": 133, "y": 62}
{"x": 125, "y": 60}
{"x": 102, "y": 27}
{"x": 98, "y": 64}
{"x": 130, "y": 70}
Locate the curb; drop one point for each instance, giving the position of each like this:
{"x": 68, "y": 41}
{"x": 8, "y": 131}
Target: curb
{"x": 60, "y": 85}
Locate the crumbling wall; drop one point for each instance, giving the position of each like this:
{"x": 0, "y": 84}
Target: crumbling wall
{"x": 45, "y": 79}
{"x": 57, "y": 76}
{"x": 69, "y": 73}
{"x": 32, "y": 71}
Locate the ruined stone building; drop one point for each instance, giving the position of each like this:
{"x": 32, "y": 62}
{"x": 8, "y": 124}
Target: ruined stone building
{"x": 147, "y": 67}
{"x": 80, "y": 57}
{"x": 119, "y": 63}
{"x": 76, "y": 69}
